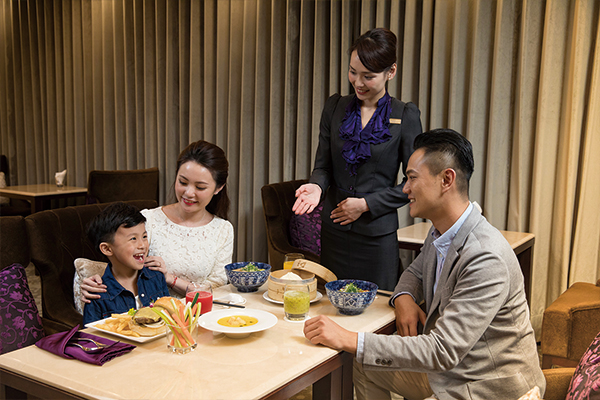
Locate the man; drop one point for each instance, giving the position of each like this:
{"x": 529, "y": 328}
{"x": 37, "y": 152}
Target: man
{"x": 477, "y": 341}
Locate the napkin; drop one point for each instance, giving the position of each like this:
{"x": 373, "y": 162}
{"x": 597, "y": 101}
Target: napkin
{"x": 59, "y": 178}
{"x": 58, "y": 344}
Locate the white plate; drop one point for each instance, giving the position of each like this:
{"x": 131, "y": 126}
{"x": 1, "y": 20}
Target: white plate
{"x": 141, "y": 339}
{"x": 210, "y": 321}
{"x": 318, "y": 297}
{"x": 232, "y": 298}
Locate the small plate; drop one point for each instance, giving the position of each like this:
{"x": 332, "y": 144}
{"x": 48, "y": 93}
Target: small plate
{"x": 210, "y": 321}
{"x": 141, "y": 339}
{"x": 318, "y": 297}
{"x": 232, "y": 298}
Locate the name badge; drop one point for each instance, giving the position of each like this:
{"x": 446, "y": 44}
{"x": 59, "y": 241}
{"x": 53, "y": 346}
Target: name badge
{"x": 395, "y": 121}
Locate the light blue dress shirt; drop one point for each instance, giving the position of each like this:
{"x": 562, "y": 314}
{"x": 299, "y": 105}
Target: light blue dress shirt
{"x": 442, "y": 244}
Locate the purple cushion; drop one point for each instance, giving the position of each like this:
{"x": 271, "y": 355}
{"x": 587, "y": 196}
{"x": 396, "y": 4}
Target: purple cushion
{"x": 585, "y": 383}
{"x": 20, "y": 323}
{"x": 305, "y": 231}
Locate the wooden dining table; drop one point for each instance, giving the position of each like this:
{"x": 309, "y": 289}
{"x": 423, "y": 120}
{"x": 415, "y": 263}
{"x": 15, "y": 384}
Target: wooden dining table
{"x": 39, "y": 193}
{"x": 273, "y": 364}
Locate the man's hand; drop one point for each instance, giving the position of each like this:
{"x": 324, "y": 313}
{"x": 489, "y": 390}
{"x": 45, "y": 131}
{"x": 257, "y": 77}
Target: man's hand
{"x": 349, "y": 210}
{"x": 322, "y": 330}
{"x": 408, "y": 314}
{"x": 92, "y": 285}
{"x": 307, "y": 198}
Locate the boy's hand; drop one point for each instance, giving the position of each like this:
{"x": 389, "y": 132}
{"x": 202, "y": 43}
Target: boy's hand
{"x": 92, "y": 285}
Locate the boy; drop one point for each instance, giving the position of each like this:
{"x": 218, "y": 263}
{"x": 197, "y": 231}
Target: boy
{"x": 119, "y": 231}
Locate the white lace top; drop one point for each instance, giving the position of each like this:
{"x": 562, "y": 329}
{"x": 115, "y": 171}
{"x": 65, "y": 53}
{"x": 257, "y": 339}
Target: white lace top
{"x": 195, "y": 254}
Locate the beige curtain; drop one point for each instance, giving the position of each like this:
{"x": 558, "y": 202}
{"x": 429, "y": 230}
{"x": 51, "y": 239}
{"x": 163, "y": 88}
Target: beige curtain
{"x": 125, "y": 84}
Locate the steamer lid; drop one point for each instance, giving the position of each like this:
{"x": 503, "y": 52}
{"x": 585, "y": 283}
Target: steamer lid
{"x": 323, "y": 274}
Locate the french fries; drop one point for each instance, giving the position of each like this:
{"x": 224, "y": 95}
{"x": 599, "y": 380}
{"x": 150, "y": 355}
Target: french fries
{"x": 118, "y": 323}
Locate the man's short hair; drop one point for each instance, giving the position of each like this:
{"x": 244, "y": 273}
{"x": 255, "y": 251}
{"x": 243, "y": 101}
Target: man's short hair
{"x": 446, "y": 148}
{"x": 105, "y": 225}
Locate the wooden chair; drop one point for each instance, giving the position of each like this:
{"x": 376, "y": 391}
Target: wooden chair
{"x": 110, "y": 186}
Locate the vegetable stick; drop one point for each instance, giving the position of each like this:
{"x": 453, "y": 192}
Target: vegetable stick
{"x": 185, "y": 331}
{"x": 177, "y": 336}
{"x": 180, "y": 308}
{"x": 195, "y": 299}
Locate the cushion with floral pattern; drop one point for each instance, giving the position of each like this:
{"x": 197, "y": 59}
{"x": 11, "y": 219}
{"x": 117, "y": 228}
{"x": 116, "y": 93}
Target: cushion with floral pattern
{"x": 20, "y": 322}
{"x": 305, "y": 231}
{"x": 585, "y": 383}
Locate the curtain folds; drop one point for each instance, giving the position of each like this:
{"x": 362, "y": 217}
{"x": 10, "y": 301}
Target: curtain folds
{"x": 120, "y": 84}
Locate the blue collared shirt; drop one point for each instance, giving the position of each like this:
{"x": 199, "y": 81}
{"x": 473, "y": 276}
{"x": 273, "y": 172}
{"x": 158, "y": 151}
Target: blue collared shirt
{"x": 151, "y": 285}
{"x": 442, "y": 244}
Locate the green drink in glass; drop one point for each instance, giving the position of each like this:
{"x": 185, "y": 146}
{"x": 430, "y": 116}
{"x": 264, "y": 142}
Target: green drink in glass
{"x": 296, "y": 302}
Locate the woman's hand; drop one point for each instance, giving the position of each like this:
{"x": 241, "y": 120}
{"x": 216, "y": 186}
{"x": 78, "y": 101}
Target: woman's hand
{"x": 307, "y": 198}
{"x": 322, "y": 330}
{"x": 156, "y": 263}
{"x": 349, "y": 210}
{"x": 92, "y": 285}
{"x": 408, "y": 314}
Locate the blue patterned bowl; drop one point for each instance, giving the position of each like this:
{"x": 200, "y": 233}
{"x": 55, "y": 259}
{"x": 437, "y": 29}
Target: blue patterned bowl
{"x": 247, "y": 281}
{"x": 351, "y": 303}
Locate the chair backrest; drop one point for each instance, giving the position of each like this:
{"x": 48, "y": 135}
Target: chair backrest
{"x": 137, "y": 184}
{"x": 56, "y": 238}
{"x": 14, "y": 206}
{"x": 278, "y": 199}
{"x": 14, "y": 247}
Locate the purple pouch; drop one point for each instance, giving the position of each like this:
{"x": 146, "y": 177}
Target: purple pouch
{"x": 58, "y": 344}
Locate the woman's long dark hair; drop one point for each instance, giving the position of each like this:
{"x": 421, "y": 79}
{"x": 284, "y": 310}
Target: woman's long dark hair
{"x": 211, "y": 157}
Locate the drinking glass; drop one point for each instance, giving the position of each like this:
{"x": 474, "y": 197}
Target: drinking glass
{"x": 296, "y": 302}
{"x": 289, "y": 259}
{"x": 181, "y": 339}
{"x": 205, "y": 295}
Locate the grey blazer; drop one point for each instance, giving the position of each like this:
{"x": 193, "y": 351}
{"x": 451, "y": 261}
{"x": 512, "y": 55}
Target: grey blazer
{"x": 477, "y": 342}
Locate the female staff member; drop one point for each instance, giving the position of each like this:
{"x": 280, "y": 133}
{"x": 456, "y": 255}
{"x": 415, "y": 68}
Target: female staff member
{"x": 363, "y": 140}
{"x": 191, "y": 239}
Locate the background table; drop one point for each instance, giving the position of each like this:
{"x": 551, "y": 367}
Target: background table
{"x": 273, "y": 364}
{"x": 37, "y": 194}
{"x": 412, "y": 238}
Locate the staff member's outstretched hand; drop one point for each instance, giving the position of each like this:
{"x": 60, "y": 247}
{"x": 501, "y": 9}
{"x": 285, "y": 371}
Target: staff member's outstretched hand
{"x": 322, "y": 330}
{"x": 307, "y": 198}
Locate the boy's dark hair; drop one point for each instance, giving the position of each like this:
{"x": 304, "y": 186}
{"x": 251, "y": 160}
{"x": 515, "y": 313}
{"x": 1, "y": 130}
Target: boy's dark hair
{"x": 452, "y": 150}
{"x": 105, "y": 225}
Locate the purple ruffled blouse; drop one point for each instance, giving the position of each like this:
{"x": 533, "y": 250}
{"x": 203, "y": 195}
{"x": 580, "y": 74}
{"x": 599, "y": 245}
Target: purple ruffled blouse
{"x": 357, "y": 146}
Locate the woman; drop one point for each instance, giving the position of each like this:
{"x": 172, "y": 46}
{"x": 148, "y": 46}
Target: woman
{"x": 190, "y": 240}
{"x": 363, "y": 140}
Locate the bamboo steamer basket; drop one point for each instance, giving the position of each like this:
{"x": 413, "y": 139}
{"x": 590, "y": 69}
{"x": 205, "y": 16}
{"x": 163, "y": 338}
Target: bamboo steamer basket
{"x": 276, "y": 285}
{"x": 322, "y": 274}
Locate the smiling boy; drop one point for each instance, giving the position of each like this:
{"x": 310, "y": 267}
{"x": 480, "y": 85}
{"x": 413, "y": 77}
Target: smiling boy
{"x": 119, "y": 231}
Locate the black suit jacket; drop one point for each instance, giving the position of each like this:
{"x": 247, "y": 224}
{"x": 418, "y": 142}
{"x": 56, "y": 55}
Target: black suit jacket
{"x": 376, "y": 179}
